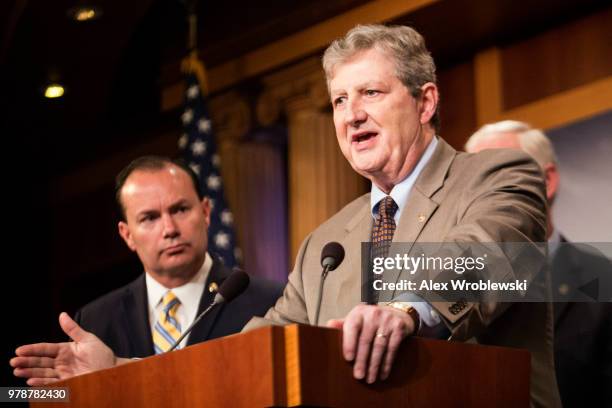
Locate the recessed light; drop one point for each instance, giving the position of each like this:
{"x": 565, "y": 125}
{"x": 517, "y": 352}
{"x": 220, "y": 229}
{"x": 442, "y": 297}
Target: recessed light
{"x": 84, "y": 13}
{"x": 54, "y": 91}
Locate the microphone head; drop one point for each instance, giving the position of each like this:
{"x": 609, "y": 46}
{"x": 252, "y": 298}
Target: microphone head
{"x": 332, "y": 255}
{"x": 233, "y": 286}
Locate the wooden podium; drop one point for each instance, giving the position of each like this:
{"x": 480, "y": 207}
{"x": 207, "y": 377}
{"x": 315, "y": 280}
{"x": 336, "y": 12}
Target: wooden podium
{"x": 303, "y": 366}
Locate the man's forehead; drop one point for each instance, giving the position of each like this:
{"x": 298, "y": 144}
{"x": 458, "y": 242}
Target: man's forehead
{"x": 168, "y": 171}
{"x": 372, "y": 64}
{"x": 170, "y": 178}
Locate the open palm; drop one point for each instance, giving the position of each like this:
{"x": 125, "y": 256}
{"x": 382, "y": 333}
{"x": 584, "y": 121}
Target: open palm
{"x": 43, "y": 363}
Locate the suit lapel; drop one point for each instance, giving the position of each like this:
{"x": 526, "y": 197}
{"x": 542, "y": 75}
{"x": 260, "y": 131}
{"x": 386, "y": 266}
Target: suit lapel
{"x": 202, "y": 330}
{"x": 342, "y": 290}
{"x": 136, "y": 318}
{"x": 420, "y": 206}
{"x": 358, "y": 229}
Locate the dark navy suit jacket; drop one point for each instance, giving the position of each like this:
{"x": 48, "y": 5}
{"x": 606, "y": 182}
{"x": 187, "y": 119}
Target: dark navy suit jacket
{"x": 583, "y": 334}
{"x": 121, "y": 318}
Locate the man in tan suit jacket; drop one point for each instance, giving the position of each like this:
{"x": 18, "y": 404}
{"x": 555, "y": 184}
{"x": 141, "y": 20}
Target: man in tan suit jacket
{"x": 382, "y": 86}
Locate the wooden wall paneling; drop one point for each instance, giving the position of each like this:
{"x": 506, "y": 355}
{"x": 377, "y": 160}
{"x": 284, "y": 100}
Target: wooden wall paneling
{"x": 552, "y": 79}
{"x": 231, "y": 118}
{"x": 302, "y": 154}
{"x": 557, "y": 60}
{"x": 488, "y": 85}
{"x": 295, "y": 46}
{"x": 565, "y": 107}
{"x": 320, "y": 180}
{"x": 457, "y": 103}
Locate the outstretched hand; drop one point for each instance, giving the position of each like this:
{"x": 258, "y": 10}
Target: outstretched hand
{"x": 43, "y": 363}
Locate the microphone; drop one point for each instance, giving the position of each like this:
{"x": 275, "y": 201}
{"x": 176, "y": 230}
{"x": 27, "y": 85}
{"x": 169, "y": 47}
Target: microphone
{"x": 332, "y": 255}
{"x": 233, "y": 286}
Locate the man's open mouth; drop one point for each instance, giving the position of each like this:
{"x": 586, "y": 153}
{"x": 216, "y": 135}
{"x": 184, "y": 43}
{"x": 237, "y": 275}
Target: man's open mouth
{"x": 361, "y": 137}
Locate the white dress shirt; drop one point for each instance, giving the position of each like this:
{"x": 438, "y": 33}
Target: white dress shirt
{"x": 189, "y": 295}
{"x": 400, "y": 193}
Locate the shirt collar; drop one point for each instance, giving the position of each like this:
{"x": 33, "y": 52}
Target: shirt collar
{"x": 188, "y": 294}
{"x": 554, "y": 241}
{"x": 401, "y": 191}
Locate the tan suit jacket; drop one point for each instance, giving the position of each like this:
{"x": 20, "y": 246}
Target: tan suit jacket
{"x": 492, "y": 196}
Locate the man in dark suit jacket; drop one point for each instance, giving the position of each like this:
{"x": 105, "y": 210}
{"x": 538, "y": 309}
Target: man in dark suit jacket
{"x": 165, "y": 220}
{"x": 583, "y": 330}
{"x": 120, "y": 318}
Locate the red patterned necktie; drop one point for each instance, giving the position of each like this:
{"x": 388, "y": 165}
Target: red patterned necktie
{"x": 382, "y": 235}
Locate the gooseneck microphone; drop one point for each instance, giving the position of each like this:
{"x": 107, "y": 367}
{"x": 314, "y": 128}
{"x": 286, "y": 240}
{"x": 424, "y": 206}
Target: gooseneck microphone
{"x": 233, "y": 286}
{"x": 332, "y": 255}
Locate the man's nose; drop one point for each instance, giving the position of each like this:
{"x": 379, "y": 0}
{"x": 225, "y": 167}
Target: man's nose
{"x": 355, "y": 114}
{"x": 171, "y": 229}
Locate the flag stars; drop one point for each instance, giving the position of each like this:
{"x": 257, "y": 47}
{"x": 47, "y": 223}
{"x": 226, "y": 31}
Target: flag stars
{"x": 198, "y": 147}
{"x": 204, "y": 125}
{"x": 222, "y": 240}
{"x": 227, "y": 217}
{"x": 195, "y": 168}
{"x": 183, "y": 140}
{"x": 187, "y": 116}
{"x": 238, "y": 254}
{"x": 216, "y": 160}
{"x": 213, "y": 182}
{"x": 192, "y": 92}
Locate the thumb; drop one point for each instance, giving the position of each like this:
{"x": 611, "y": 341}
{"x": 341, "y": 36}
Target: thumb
{"x": 71, "y": 328}
{"x": 335, "y": 323}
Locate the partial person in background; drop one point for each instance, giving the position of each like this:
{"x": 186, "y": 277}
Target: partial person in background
{"x": 583, "y": 331}
{"x": 165, "y": 220}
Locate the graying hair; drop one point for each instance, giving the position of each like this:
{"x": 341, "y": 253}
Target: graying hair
{"x": 533, "y": 141}
{"x": 413, "y": 63}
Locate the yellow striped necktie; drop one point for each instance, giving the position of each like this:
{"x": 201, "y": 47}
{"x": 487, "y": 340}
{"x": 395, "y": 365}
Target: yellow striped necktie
{"x": 167, "y": 329}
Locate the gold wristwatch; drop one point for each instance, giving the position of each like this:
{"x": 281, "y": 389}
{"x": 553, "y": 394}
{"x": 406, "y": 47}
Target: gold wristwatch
{"x": 408, "y": 309}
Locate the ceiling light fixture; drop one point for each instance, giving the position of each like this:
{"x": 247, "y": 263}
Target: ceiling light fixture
{"x": 84, "y": 13}
{"x": 54, "y": 91}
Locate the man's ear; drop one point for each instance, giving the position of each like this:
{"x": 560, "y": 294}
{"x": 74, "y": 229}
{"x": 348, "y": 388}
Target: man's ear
{"x": 551, "y": 175}
{"x": 429, "y": 102}
{"x": 125, "y": 233}
{"x": 206, "y": 209}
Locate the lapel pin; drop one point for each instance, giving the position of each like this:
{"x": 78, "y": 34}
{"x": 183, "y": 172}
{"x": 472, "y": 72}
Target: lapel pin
{"x": 421, "y": 218}
{"x": 213, "y": 287}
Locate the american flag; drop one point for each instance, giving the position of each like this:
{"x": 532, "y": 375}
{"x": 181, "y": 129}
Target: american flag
{"x": 198, "y": 147}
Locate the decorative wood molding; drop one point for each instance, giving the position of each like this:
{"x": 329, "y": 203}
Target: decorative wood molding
{"x": 553, "y": 111}
{"x": 304, "y": 80}
{"x": 295, "y": 46}
{"x": 321, "y": 181}
{"x": 231, "y": 116}
{"x": 565, "y": 107}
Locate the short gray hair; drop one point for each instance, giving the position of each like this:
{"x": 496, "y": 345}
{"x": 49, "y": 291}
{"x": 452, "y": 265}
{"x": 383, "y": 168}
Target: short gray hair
{"x": 533, "y": 141}
{"x": 413, "y": 63}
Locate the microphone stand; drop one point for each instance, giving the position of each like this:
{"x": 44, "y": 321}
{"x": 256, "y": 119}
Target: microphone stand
{"x": 323, "y": 276}
{"x": 186, "y": 332}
